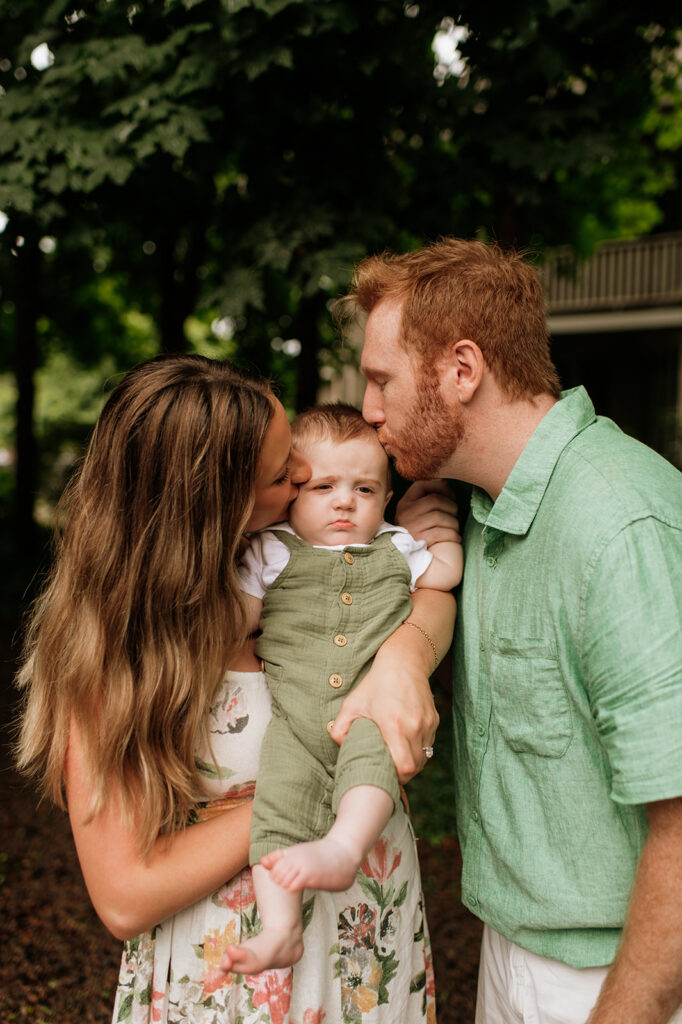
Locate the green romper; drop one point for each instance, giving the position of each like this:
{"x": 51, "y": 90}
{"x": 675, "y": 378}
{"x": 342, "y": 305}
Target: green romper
{"x": 324, "y": 618}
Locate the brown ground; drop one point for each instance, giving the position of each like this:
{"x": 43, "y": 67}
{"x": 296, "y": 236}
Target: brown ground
{"x": 58, "y": 965}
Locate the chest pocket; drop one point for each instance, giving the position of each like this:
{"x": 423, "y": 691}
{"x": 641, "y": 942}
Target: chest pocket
{"x": 530, "y": 704}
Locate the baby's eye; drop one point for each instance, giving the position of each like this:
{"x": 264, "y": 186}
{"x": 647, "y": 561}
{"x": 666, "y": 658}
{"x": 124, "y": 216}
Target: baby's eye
{"x": 322, "y": 487}
{"x": 366, "y": 490}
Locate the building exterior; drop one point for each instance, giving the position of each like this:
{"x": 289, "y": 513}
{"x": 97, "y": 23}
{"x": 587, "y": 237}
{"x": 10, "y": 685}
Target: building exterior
{"x": 616, "y": 326}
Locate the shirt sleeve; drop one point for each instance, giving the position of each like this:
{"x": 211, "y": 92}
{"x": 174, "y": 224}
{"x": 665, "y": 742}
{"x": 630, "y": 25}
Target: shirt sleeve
{"x": 632, "y": 654}
{"x": 415, "y": 553}
{"x": 262, "y": 563}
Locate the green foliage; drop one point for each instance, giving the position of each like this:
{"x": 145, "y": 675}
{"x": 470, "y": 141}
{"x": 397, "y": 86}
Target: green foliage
{"x": 555, "y": 104}
{"x": 8, "y": 401}
{"x": 203, "y": 160}
{"x": 431, "y": 794}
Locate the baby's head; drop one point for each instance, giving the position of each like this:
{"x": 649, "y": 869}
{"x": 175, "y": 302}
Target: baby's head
{"x": 344, "y": 500}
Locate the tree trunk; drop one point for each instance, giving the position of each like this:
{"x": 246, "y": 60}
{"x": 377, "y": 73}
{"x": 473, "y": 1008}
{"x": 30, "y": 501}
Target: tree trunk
{"x": 506, "y": 225}
{"x": 307, "y": 369}
{"x": 180, "y": 258}
{"x": 27, "y": 277}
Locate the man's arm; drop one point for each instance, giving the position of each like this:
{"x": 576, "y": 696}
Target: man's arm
{"x": 395, "y": 693}
{"x": 644, "y": 984}
{"x": 631, "y": 659}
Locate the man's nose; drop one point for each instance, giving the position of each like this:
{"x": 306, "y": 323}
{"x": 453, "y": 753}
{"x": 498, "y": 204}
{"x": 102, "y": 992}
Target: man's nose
{"x": 372, "y": 406}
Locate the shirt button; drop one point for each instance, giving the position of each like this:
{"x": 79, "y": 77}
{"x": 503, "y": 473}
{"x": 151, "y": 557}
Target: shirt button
{"x": 480, "y": 729}
{"x": 330, "y": 725}
{"x": 335, "y": 680}
{"x": 347, "y": 598}
{"x": 347, "y": 557}
{"x": 472, "y": 901}
{"x": 340, "y": 640}
{"x": 474, "y": 815}
{"x": 492, "y": 561}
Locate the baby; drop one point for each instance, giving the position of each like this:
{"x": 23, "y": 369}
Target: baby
{"x": 327, "y": 588}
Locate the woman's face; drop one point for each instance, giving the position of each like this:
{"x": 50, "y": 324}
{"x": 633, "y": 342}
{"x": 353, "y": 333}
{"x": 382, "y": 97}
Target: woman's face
{"x": 280, "y": 470}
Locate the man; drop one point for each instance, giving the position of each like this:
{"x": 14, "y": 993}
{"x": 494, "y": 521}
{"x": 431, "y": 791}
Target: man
{"x": 568, "y": 650}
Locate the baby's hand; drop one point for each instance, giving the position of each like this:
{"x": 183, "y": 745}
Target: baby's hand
{"x": 429, "y": 512}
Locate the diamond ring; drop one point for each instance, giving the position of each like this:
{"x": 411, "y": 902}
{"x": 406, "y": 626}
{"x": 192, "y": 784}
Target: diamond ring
{"x": 428, "y": 751}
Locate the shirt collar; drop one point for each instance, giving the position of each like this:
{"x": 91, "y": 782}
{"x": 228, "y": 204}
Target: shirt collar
{"x": 519, "y": 500}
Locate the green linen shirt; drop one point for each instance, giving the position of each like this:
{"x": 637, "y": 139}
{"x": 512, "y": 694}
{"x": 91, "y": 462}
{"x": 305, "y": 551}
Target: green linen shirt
{"x": 567, "y": 682}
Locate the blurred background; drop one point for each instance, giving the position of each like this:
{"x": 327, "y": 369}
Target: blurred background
{"x": 202, "y": 175}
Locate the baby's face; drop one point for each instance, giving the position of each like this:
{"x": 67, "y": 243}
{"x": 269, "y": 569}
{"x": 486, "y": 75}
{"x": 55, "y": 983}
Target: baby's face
{"x": 343, "y": 502}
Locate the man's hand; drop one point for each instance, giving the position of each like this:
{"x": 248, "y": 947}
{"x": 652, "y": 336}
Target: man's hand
{"x": 429, "y": 512}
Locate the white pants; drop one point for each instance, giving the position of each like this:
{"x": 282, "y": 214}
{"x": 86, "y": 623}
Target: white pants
{"x": 518, "y": 987}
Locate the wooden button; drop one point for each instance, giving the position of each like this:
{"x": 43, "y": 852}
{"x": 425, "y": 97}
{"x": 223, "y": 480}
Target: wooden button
{"x": 330, "y": 725}
{"x": 347, "y": 598}
{"x": 335, "y": 680}
{"x": 347, "y": 557}
{"x": 340, "y": 640}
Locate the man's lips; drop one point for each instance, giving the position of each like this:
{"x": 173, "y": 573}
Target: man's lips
{"x": 385, "y": 442}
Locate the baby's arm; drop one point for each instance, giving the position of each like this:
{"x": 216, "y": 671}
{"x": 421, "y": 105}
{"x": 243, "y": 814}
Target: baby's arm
{"x": 428, "y": 512}
{"x": 445, "y": 570}
{"x": 252, "y": 583}
{"x": 254, "y": 610}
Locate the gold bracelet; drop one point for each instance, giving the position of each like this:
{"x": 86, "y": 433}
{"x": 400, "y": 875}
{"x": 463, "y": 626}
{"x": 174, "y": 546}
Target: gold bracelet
{"x": 406, "y": 622}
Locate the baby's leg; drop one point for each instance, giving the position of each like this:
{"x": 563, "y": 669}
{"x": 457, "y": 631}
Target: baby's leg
{"x": 332, "y": 862}
{"x": 280, "y": 943}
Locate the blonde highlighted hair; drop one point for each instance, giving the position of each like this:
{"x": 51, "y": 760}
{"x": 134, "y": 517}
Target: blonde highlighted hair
{"x": 142, "y": 612}
{"x": 456, "y": 289}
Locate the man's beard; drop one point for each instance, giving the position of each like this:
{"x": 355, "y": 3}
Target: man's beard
{"x": 431, "y": 435}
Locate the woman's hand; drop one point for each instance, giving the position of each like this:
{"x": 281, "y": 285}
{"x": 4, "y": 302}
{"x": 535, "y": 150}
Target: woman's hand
{"x": 395, "y": 693}
{"x": 429, "y": 512}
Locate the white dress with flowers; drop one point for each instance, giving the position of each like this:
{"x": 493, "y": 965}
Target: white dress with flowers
{"x": 367, "y": 958}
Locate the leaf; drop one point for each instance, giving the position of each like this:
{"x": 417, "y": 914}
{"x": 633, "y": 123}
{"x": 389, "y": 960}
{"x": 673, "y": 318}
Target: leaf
{"x": 145, "y": 997}
{"x": 239, "y": 725}
{"x": 307, "y": 911}
{"x": 125, "y": 1010}
{"x": 57, "y": 180}
{"x": 401, "y": 895}
{"x": 418, "y": 983}
{"x": 371, "y": 889}
{"x": 211, "y": 771}
{"x": 389, "y": 968}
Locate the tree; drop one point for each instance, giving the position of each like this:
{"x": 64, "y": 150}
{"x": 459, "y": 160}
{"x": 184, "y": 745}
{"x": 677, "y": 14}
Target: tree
{"x": 234, "y": 158}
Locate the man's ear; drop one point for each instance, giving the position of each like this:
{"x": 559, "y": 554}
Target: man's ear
{"x": 461, "y": 370}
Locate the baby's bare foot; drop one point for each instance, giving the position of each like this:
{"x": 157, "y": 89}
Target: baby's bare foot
{"x": 271, "y": 948}
{"x": 324, "y": 864}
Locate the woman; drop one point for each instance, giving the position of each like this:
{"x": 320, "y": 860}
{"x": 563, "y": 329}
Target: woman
{"x": 130, "y": 712}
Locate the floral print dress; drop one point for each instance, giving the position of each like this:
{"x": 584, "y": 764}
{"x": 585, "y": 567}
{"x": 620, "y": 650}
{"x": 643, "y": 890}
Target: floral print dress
{"x": 367, "y": 958}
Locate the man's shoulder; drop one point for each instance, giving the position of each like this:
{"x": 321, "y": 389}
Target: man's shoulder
{"x": 613, "y": 478}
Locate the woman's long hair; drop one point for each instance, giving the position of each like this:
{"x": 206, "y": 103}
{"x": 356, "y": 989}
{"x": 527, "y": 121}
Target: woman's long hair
{"x": 142, "y": 612}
